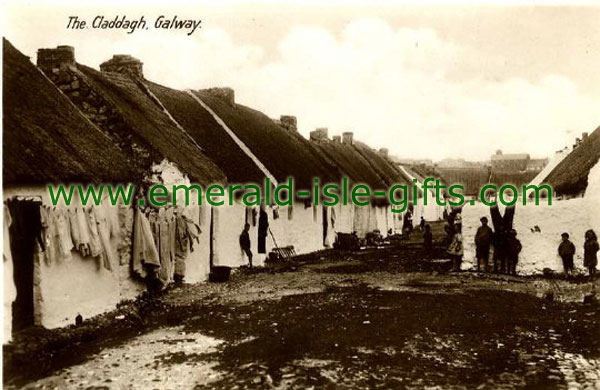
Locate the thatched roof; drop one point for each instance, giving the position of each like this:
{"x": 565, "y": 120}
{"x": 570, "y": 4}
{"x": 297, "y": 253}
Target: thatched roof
{"x": 46, "y": 139}
{"x": 361, "y": 164}
{"x": 282, "y": 152}
{"x": 570, "y": 176}
{"x": 216, "y": 144}
{"x": 384, "y": 167}
{"x": 149, "y": 126}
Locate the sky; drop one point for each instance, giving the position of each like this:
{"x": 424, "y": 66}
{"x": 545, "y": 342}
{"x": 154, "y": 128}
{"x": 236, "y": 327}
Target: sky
{"x": 425, "y": 81}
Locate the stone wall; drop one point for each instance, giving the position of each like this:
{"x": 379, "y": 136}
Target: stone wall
{"x": 53, "y": 58}
{"x": 289, "y": 122}
{"x": 319, "y": 134}
{"x": 124, "y": 64}
{"x": 348, "y": 138}
{"x": 98, "y": 110}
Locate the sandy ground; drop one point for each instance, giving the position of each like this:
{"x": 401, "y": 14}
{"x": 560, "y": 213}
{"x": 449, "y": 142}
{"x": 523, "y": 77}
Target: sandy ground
{"x": 377, "y": 318}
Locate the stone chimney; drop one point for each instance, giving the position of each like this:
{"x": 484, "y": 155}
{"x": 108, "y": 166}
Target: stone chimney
{"x": 337, "y": 139}
{"x": 584, "y": 136}
{"x": 124, "y": 64}
{"x": 49, "y": 59}
{"x": 319, "y": 134}
{"x": 225, "y": 94}
{"x": 384, "y": 152}
{"x": 348, "y": 138}
{"x": 289, "y": 122}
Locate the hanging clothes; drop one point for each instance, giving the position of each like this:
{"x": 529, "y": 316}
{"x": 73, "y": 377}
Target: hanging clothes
{"x": 63, "y": 234}
{"x": 95, "y": 243}
{"x": 181, "y": 245}
{"x": 48, "y": 234}
{"x": 263, "y": 228}
{"x": 75, "y": 234}
{"x": 108, "y": 254}
{"x": 84, "y": 232}
{"x": 144, "y": 248}
{"x": 185, "y": 233}
{"x": 165, "y": 244}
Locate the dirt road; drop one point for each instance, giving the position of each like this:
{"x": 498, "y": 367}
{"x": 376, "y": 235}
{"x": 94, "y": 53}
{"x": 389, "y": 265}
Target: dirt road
{"x": 388, "y": 318}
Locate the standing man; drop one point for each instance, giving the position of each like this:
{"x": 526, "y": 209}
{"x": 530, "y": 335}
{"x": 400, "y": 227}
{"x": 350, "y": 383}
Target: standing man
{"x": 245, "y": 243}
{"x": 483, "y": 240}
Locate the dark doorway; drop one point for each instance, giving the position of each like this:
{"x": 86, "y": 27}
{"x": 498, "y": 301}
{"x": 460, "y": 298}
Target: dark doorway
{"x": 263, "y": 230}
{"x": 25, "y": 229}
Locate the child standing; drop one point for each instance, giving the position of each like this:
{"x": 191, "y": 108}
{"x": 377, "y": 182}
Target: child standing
{"x": 566, "y": 251}
{"x": 455, "y": 249}
{"x": 590, "y": 248}
{"x": 514, "y": 248}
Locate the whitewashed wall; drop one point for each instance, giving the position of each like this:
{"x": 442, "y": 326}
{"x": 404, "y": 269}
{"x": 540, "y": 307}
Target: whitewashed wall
{"x": 592, "y": 198}
{"x": 79, "y": 285}
{"x": 539, "y": 249}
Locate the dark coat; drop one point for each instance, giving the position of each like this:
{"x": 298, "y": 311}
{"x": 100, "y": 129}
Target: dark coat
{"x": 245, "y": 240}
{"x": 590, "y": 248}
{"x": 566, "y": 249}
{"x": 514, "y": 247}
{"x": 484, "y": 236}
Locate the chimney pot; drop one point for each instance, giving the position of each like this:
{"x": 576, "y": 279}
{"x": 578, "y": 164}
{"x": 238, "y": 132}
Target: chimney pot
{"x": 289, "y": 122}
{"x": 319, "y": 134}
{"x": 47, "y": 59}
{"x": 348, "y": 138}
{"x": 124, "y": 64}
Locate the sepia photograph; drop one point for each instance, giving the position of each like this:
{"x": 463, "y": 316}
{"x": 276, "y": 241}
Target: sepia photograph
{"x": 282, "y": 194}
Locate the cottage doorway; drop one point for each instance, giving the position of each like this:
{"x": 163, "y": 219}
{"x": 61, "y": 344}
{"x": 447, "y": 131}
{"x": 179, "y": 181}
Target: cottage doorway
{"x": 24, "y": 231}
{"x": 263, "y": 230}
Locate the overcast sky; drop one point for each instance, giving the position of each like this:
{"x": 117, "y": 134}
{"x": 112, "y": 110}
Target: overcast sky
{"x": 424, "y": 81}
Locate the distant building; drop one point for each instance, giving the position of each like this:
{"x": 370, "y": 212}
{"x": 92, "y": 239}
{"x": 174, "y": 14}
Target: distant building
{"x": 412, "y": 161}
{"x": 509, "y": 162}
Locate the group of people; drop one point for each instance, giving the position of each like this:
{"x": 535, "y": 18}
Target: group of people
{"x": 506, "y": 246}
{"x": 506, "y": 249}
{"x": 566, "y": 251}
